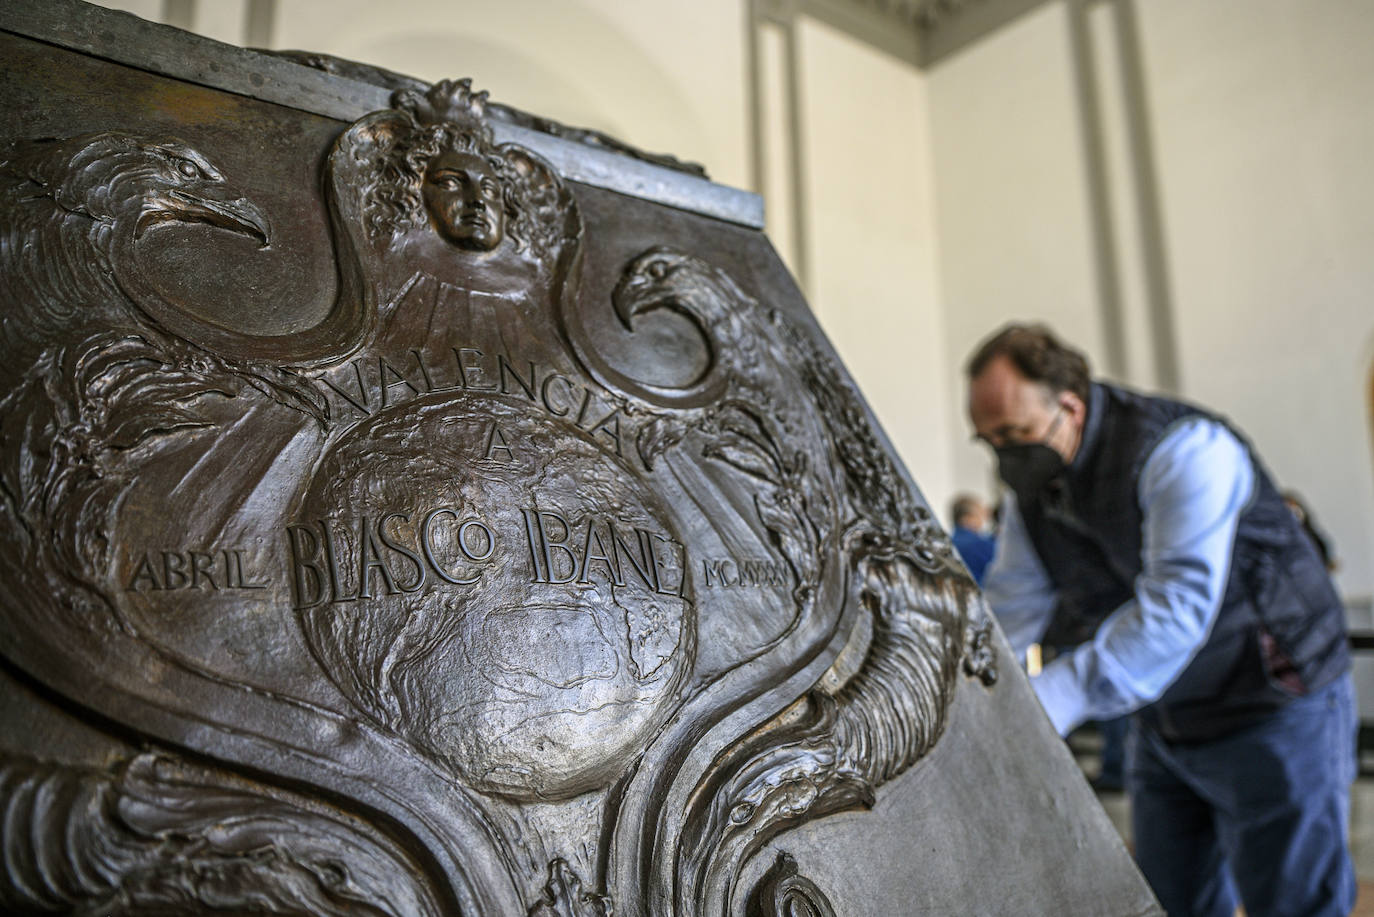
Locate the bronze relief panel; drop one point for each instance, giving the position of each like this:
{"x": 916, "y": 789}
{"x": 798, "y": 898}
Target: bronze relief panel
{"x": 442, "y": 548}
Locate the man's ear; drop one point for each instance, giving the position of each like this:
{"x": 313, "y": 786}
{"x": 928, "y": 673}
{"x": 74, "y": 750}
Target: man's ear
{"x": 1073, "y": 405}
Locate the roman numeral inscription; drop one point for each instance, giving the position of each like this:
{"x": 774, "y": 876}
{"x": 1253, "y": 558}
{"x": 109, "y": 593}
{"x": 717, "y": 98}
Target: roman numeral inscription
{"x": 744, "y": 574}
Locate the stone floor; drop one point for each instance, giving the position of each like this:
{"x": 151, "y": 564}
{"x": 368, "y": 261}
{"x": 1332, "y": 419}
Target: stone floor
{"x": 1118, "y": 808}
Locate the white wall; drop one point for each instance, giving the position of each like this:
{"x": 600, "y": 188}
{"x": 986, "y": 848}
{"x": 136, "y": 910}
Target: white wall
{"x": 1260, "y": 116}
{"x": 871, "y": 245}
{"x": 147, "y": 9}
{"x": 1012, "y": 211}
{"x": 1264, "y": 114}
{"x": 663, "y": 76}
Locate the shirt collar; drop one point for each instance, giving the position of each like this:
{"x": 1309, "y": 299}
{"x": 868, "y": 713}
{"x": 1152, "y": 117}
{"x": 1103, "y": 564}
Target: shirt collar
{"x": 1092, "y": 428}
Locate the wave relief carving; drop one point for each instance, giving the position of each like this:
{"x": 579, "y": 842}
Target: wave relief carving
{"x": 831, "y": 749}
{"x": 153, "y": 834}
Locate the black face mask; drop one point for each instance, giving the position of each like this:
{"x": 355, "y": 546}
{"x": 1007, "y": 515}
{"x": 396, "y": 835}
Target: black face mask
{"x": 1028, "y": 467}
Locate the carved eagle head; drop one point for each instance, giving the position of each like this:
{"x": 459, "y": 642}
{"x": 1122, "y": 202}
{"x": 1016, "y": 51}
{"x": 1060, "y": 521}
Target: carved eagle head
{"x": 126, "y": 184}
{"x": 73, "y": 210}
{"x": 663, "y": 278}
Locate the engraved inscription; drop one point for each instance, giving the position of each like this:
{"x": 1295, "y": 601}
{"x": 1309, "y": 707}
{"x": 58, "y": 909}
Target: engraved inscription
{"x": 628, "y": 556}
{"x": 745, "y": 573}
{"x": 395, "y": 553}
{"x": 369, "y": 385}
{"x": 168, "y": 571}
{"x": 401, "y": 553}
{"x": 496, "y": 586}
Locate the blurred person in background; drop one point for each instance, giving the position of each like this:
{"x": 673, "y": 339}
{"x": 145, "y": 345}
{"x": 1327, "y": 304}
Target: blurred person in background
{"x": 973, "y": 535}
{"x": 1146, "y": 536}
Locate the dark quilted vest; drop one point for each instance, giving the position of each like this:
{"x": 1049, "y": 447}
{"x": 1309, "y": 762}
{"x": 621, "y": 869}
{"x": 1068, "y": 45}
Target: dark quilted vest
{"x": 1280, "y": 631}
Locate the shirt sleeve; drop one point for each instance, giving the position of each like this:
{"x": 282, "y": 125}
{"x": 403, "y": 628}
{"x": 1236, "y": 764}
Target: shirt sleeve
{"x": 1016, "y": 585}
{"x": 1192, "y": 491}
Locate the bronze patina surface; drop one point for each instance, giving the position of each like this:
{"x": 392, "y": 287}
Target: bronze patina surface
{"x": 392, "y": 526}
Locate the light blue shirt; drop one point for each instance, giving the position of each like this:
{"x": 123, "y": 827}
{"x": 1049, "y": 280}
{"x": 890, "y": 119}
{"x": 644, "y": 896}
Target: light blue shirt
{"x": 1192, "y": 490}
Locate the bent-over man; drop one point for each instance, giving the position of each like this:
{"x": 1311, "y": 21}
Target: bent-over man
{"x": 1146, "y": 534}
